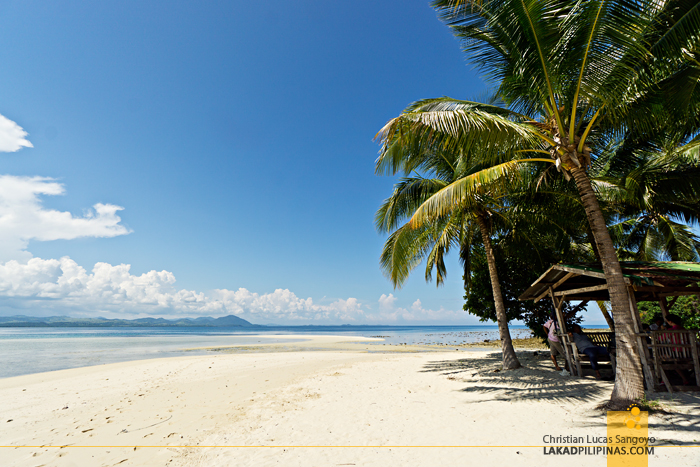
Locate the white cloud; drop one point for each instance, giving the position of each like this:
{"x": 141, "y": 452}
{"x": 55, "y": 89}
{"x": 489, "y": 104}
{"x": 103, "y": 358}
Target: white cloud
{"x": 389, "y": 312}
{"x": 12, "y": 136}
{"x": 386, "y": 302}
{"x": 282, "y": 305}
{"x": 23, "y": 218}
{"x": 62, "y": 287}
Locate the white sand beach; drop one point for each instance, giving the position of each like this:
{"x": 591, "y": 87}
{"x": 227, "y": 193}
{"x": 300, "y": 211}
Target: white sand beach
{"x": 339, "y": 406}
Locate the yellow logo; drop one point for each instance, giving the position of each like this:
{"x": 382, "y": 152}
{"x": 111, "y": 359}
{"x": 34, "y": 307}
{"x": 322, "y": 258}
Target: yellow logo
{"x": 628, "y": 438}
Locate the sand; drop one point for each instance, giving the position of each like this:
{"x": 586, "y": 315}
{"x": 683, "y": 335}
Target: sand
{"x": 340, "y": 404}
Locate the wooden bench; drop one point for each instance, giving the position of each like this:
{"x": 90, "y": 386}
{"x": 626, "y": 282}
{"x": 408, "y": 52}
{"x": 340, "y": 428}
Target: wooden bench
{"x": 605, "y": 339}
{"x": 675, "y": 350}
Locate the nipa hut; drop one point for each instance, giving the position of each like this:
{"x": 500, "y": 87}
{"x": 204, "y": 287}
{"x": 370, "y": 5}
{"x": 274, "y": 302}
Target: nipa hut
{"x": 664, "y": 354}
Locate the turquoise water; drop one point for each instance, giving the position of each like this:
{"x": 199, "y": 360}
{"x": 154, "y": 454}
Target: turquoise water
{"x": 35, "y": 350}
{"x": 48, "y": 349}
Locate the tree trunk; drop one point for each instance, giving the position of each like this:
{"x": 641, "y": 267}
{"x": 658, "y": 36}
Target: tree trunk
{"x": 510, "y": 360}
{"x": 603, "y": 305}
{"x": 591, "y": 240}
{"x": 629, "y": 379}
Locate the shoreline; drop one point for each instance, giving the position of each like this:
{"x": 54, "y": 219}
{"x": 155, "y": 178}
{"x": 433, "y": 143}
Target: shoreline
{"x": 50, "y": 351}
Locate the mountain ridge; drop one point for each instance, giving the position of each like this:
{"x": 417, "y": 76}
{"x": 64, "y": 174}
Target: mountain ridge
{"x": 66, "y": 321}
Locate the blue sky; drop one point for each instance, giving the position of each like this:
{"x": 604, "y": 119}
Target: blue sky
{"x": 238, "y": 139}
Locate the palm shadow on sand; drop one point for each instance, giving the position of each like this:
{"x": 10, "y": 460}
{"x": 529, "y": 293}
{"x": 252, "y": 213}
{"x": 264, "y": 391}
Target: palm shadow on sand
{"x": 537, "y": 381}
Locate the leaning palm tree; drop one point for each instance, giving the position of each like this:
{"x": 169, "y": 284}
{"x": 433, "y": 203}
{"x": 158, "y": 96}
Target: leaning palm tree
{"x": 417, "y": 236}
{"x": 572, "y": 74}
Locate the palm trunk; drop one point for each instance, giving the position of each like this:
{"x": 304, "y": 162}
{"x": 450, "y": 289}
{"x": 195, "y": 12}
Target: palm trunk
{"x": 591, "y": 240}
{"x": 629, "y": 378}
{"x": 510, "y": 360}
{"x": 603, "y": 305}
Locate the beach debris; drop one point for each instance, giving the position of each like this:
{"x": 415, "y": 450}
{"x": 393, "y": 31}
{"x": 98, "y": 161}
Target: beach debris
{"x": 9, "y": 420}
{"x": 565, "y": 373}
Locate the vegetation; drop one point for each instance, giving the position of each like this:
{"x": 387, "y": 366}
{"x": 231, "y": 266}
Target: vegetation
{"x": 597, "y": 113}
{"x": 687, "y": 307}
{"x": 464, "y": 226}
{"x": 520, "y": 273}
{"x": 652, "y": 405}
{"x": 651, "y": 195}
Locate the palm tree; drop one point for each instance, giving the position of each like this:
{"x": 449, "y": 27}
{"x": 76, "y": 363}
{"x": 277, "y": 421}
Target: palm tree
{"x": 572, "y": 74}
{"x": 416, "y": 237}
{"x": 653, "y": 193}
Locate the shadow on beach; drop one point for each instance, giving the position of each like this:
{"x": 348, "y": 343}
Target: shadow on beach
{"x": 536, "y": 380}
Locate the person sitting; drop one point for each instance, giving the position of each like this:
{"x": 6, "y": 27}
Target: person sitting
{"x": 675, "y": 323}
{"x": 588, "y": 348}
{"x": 657, "y": 324}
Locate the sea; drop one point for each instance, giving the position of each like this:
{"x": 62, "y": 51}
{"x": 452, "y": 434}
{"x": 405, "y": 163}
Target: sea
{"x": 30, "y": 350}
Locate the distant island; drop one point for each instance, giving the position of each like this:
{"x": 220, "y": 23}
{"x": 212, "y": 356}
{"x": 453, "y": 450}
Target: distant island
{"x": 65, "y": 321}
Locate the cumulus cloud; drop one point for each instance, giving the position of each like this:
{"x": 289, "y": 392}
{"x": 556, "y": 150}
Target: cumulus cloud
{"x": 62, "y": 286}
{"x": 389, "y": 312}
{"x": 386, "y": 302}
{"x": 12, "y": 136}
{"x": 23, "y": 218}
{"x": 283, "y": 305}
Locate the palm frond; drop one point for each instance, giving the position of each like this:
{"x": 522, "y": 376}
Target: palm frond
{"x": 470, "y": 190}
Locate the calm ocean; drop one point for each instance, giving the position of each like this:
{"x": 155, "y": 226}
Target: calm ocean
{"x": 35, "y": 350}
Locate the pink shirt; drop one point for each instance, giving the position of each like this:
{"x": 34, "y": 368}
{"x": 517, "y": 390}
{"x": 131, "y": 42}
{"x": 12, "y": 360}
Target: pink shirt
{"x": 552, "y": 336}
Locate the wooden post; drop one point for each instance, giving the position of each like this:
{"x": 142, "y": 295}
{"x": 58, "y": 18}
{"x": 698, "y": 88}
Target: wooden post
{"x": 562, "y": 329}
{"x": 694, "y": 352}
{"x": 664, "y": 307}
{"x": 641, "y": 344}
{"x": 671, "y": 303}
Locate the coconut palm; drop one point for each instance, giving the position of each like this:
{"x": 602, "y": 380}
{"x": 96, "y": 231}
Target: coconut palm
{"x": 653, "y": 193}
{"x": 415, "y": 239}
{"x": 573, "y": 74}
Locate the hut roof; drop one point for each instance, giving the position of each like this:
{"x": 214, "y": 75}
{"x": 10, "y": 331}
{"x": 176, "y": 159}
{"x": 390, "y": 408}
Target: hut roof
{"x": 586, "y": 281}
